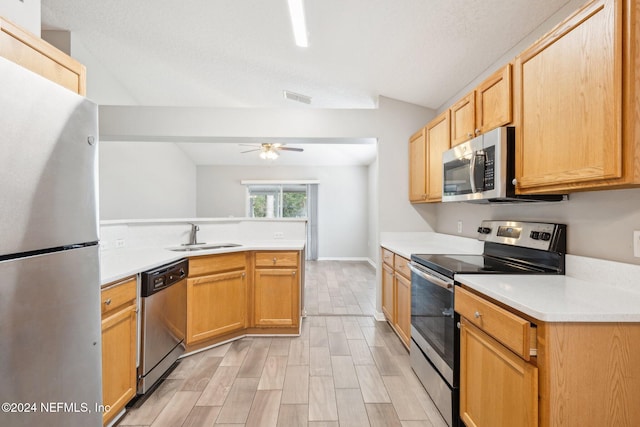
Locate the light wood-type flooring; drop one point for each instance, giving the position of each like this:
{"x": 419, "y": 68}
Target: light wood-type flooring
{"x": 345, "y": 369}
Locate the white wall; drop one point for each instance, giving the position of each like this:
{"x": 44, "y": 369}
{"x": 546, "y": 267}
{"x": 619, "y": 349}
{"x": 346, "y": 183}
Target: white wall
{"x": 373, "y": 236}
{"x": 23, "y": 13}
{"x": 343, "y": 215}
{"x": 140, "y": 180}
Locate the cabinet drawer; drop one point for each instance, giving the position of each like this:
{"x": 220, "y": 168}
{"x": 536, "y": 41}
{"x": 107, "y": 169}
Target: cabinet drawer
{"x": 387, "y": 257}
{"x": 118, "y": 294}
{"x": 400, "y": 264}
{"x": 512, "y": 331}
{"x": 202, "y": 265}
{"x": 276, "y": 259}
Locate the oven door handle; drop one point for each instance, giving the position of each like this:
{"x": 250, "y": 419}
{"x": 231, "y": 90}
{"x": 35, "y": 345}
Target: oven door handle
{"x": 448, "y": 285}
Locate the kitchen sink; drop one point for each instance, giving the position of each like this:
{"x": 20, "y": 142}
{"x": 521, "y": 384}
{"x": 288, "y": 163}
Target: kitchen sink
{"x": 204, "y": 247}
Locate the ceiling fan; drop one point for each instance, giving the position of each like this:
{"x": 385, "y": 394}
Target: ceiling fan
{"x": 270, "y": 151}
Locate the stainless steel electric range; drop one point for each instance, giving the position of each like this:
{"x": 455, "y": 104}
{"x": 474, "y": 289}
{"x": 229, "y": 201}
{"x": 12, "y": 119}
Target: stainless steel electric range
{"x": 510, "y": 247}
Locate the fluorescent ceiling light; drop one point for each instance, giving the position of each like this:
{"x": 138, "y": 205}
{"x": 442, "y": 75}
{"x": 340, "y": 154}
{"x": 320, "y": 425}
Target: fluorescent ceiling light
{"x": 296, "y": 10}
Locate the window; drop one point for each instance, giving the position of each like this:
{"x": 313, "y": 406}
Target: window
{"x": 277, "y": 201}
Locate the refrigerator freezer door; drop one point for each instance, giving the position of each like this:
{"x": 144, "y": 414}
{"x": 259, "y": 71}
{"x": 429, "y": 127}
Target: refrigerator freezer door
{"x": 50, "y": 340}
{"x": 47, "y": 164}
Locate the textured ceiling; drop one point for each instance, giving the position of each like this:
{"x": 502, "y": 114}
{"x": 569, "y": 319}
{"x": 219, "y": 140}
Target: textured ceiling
{"x": 240, "y": 53}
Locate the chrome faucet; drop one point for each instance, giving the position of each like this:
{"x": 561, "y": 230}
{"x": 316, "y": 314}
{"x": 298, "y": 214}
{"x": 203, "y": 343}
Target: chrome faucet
{"x": 193, "y": 237}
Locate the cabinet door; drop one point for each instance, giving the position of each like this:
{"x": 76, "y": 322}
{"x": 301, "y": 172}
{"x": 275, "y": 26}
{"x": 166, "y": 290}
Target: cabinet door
{"x": 403, "y": 308}
{"x": 33, "y": 53}
{"x": 497, "y": 388}
{"x": 463, "y": 116}
{"x": 217, "y": 305}
{"x": 493, "y": 101}
{"x": 418, "y": 167}
{"x": 118, "y": 360}
{"x": 387, "y": 293}
{"x": 277, "y": 300}
{"x": 568, "y": 115}
{"x": 438, "y": 141}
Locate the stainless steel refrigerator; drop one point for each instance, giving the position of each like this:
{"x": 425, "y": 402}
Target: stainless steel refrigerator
{"x": 50, "y": 347}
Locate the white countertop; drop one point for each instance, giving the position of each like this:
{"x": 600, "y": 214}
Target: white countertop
{"x": 552, "y": 298}
{"x": 405, "y": 244}
{"x": 116, "y": 264}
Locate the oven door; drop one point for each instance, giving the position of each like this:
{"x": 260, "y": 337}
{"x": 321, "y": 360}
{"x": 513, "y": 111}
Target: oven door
{"x": 433, "y": 325}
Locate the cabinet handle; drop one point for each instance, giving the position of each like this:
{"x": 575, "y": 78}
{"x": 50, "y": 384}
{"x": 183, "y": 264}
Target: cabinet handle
{"x": 293, "y": 273}
{"x": 514, "y": 182}
{"x": 477, "y": 314}
{"x": 477, "y": 131}
{"x": 469, "y": 134}
{"x": 107, "y": 301}
{"x": 244, "y": 274}
{"x": 275, "y": 260}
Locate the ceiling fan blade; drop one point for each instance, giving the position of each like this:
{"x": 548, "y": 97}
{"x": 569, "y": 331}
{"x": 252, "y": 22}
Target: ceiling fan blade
{"x": 251, "y": 151}
{"x": 291, "y": 149}
{"x": 250, "y": 145}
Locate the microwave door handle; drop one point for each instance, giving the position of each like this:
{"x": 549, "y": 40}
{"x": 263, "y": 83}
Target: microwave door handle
{"x": 472, "y": 173}
{"x": 430, "y": 277}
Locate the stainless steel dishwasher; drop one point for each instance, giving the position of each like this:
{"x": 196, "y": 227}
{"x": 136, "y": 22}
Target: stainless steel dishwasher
{"x": 163, "y": 295}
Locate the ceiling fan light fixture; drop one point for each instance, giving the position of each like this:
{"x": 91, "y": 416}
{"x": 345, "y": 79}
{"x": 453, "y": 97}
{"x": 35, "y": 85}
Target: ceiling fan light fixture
{"x": 268, "y": 154}
{"x": 298, "y": 23}
{"x": 298, "y": 97}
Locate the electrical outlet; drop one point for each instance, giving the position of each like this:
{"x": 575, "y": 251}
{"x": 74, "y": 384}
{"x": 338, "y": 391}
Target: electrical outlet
{"x": 278, "y": 235}
{"x": 120, "y": 243}
{"x": 636, "y": 243}
{"x": 459, "y": 226}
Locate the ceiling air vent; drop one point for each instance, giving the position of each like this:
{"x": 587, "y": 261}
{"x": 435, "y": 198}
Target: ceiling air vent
{"x": 297, "y": 97}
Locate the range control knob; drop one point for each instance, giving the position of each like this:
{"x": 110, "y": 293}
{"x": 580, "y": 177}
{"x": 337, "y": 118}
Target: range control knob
{"x": 545, "y": 236}
{"x": 535, "y": 235}
{"x": 484, "y": 230}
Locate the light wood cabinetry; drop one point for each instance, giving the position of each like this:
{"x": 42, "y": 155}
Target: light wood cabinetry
{"x": 33, "y": 53}
{"x": 497, "y": 388}
{"x": 425, "y": 160}
{"x": 119, "y": 345}
{"x": 577, "y": 103}
{"x": 463, "y": 119}
{"x": 581, "y": 373}
{"x": 396, "y": 294}
{"x": 418, "y": 167}
{"x": 486, "y": 107}
{"x": 276, "y": 293}
{"x": 216, "y": 296}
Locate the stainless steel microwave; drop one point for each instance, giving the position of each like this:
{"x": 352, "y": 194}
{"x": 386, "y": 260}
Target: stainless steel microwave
{"x": 482, "y": 170}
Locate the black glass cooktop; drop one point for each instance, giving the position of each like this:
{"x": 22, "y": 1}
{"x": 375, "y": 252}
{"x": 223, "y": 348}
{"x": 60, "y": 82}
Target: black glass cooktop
{"x": 448, "y": 265}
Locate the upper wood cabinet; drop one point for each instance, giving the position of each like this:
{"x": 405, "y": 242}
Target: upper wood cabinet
{"x": 438, "y": 141}
{"x": 463, "y": 119}
{"x": 487, "y": 107}
{"x": 35, "y": 54}
{"x": 418, "y": 167}
{"x": 425, "y": 160}
{"x": 577, "y": 108}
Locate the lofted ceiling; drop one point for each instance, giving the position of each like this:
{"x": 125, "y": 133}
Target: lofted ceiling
{"x": 241, "y": 53}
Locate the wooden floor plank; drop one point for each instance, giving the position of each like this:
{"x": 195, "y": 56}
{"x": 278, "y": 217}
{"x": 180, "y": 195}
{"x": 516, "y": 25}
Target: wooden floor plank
{"x": 298, "y": 352}
{"x": 264, "y": 410}
{"x": 238, "y": 403}
{"x": 293, "y": 416}
{"x": 344, "y": 372}
{"x": 382, "y": 415}
{"x": 177, "y": 409}
{"x": 320, "y": 362}
{"x": 405, "y": 401}
{"x": 296, "y": 384}
{"x": 322, "y": 399}
{"x": 351, "y": 409}
{"x": 216, "y": 391}
{"x": 371, "y": 384}
{"x": 201, "y": 374}
{"x": 273, "y": 374}
{"x": 152, "y": 405}
{"x": 202, "y": 416}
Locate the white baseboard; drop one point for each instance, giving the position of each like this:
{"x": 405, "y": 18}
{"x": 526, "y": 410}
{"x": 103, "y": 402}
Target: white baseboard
{"x": 343, "y": 259}
{"x": 372, "y": 263}
{"x": 379, "y": 316}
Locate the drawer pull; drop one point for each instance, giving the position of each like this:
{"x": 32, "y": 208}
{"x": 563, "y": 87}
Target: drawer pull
{"x": 275, "y": 260}
{"x": 477, "y": 314}
{"x": 107, "y": 301}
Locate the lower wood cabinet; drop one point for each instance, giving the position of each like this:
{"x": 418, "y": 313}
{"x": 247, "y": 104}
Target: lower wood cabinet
{"x": 497, "y": 388}
{"x": 119, "y": 346}
{"x": 217, "y": 299}
{"x": 396, "y": 294}
{"x": 276, "y": 298}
